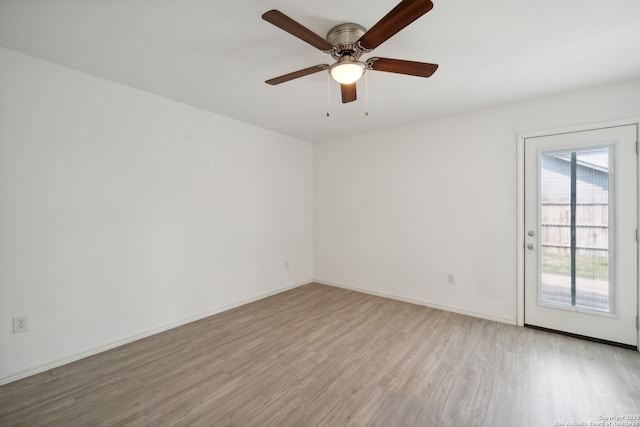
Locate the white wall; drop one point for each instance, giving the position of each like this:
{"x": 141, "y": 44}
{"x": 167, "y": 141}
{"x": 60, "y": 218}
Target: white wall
{"x": 123, "y": 213}
{"x": 395, "y": 211}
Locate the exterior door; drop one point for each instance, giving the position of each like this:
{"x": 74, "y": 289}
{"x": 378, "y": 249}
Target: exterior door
{"x": 581, "y": 220}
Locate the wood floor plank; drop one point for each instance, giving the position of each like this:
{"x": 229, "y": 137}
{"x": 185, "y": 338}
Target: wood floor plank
{"x": 322, "y": 356}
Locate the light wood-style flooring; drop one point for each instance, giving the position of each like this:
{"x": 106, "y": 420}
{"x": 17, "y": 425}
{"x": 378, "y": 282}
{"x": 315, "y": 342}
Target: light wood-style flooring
{"x": 322, "y": 356}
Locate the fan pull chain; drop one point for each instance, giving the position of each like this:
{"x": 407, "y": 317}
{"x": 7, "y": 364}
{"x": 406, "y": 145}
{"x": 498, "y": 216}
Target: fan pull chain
{"x": 328, "y": 93}
{"x": 366, "y": 94}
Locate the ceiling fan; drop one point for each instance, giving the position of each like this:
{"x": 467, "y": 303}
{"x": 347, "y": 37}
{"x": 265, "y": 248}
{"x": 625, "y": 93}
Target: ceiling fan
{"x": 346, "y": 43}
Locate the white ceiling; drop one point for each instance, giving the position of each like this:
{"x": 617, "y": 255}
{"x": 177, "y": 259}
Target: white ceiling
{"x": 216, "y": 54}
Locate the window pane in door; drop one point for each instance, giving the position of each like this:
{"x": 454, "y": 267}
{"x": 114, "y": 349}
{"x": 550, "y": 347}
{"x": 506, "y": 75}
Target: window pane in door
{"x": 574, "y": 229}
{"x": 592, "y": 230}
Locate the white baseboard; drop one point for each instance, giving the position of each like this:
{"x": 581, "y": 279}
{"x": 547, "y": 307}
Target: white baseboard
{"x": 72, "y": 358}
{"x": 418, "y": 302}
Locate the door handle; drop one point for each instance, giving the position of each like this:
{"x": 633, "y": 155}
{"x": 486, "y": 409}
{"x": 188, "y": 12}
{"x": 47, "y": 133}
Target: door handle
{"x": 531, "y": 246}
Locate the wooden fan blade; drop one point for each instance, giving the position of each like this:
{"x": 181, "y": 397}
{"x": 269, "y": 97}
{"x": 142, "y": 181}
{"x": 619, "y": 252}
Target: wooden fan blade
{"x": 400, "y": 16}
{"x": 348, "y": 92}
{"x": 297, "y": 74}
{"x": 412, "y": 68}
{"x": 292, "y": 27}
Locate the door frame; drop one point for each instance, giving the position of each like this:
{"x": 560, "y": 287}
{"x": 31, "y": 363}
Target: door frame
{"x": 520, "y": 240}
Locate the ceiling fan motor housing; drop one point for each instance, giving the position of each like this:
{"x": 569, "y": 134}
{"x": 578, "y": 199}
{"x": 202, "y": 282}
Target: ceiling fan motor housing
{"x": 344, "y": 38}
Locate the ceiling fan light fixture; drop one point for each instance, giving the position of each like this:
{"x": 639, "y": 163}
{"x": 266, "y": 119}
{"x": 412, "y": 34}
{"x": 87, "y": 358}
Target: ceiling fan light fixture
{"x": 347, "y": 42}
{"x": 347, "y": 71}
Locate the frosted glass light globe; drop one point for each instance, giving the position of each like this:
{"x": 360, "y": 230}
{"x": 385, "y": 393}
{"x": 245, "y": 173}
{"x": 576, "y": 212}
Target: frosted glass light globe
{"x": 347, "y": 72}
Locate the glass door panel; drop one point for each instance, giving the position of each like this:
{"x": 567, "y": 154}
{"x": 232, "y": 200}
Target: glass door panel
{"x": 574, "y": 229}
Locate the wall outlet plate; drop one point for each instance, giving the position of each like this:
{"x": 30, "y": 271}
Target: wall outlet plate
{"x": 20, "y": 324}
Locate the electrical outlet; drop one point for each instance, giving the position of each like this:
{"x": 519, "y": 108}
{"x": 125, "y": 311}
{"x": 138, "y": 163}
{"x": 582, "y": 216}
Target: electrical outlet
{"x": 20, "y": 324}
{"x": 451, "y": 279}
